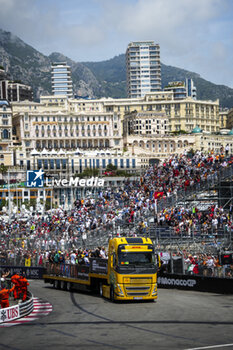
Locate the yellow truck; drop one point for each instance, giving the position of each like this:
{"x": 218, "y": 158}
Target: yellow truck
{"x": 129, "y": 273}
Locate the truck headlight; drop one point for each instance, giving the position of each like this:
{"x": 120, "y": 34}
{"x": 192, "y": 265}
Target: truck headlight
{"x": 155, "y": 289}
{"x": 120, "y": 291}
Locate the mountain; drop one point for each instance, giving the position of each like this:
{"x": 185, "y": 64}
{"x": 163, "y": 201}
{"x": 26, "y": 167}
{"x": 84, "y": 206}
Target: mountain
{"x": 113, "y": 72}
{"x": 28, "y": 65}
{"x": 95, "y": 79}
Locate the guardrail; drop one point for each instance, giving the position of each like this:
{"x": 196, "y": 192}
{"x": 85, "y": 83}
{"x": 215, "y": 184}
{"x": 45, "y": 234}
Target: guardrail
{"x": 17, "y": 311}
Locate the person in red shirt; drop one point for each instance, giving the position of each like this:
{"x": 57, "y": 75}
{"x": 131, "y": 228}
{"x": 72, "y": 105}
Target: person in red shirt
{"x": 15, "y": 280}
{"x": 4, "y": 296}
{"x": 23, "y": 287}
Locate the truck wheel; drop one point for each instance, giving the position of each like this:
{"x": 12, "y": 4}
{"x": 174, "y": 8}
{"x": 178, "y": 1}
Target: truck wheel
{"x": 63, "y": 285}
{"x": 100, "y": 289}
{"x": 112, "y": 295}
{"x": 56, "y": 284}
{"x": 68, "y": 286}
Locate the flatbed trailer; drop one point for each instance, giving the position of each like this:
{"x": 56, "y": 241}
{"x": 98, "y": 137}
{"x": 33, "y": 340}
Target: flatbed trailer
{"x": 79, "y": 277}
{"x": 129, "y": 273}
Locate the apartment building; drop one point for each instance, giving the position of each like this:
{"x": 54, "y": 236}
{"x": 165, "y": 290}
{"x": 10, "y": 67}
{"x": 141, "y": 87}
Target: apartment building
{"x": 143, "y": 68}
{"x": 15, "y": 91}
{"x": 61, "y": 79}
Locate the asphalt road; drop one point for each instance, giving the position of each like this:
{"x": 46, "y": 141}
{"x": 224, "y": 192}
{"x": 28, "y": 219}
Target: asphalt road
{"x": 178, "y": 320}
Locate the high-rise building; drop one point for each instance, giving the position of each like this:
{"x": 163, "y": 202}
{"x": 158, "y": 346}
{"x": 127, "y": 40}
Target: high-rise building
{"x": 61, "y": 79}
{"x": 143, "y": 68}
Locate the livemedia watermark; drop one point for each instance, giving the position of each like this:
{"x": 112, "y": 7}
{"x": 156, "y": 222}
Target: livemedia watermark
{"x": 36, "y": 179}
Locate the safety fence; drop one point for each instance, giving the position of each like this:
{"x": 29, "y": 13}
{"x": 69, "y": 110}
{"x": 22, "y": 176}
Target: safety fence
{"x": 210, "y": 241}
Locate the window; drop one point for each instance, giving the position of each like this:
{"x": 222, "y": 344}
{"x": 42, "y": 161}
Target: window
{"x": 5, "y": 134}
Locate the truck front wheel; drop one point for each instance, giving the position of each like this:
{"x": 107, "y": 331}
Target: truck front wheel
{"x": 112, "y": 295}
{"x": 100, "y": 289}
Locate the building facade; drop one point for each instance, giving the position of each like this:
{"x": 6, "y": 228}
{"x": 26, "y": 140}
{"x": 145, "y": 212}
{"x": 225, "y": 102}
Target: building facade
{"x": 146, "y": 127}
{"x": 181, "y": 89}
{"x": 227, "y": 117}
{"x": 15, "y": 92}
{"x": 6, "y": 153}
{"x": 191, "y": 89}
{"x": 39, "y": 126}
{"x": 145, "y": 123}
{"x": 143, "y": 68}
{"x": 61, "y": 79}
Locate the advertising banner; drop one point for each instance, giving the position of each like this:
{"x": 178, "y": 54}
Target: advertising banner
{"x": 9, "y": 314}
{"x": 99, "y": 266}
{"x": 30, "y": 272}
{"x": 195, "y": 282}
{"x": 83, "y": 272}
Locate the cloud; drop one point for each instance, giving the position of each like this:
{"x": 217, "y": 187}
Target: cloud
{"x": 193, "y": 34}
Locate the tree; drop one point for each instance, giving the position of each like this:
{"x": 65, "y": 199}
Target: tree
{"x": 3, "y": 169}
{"x": 3, "y": 203}
{"x": 89, "y": 172}
{"x": 111, "y": 167}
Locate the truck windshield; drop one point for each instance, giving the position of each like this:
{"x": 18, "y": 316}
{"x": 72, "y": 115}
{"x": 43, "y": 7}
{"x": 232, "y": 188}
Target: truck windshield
{"x": 139, "y": 259}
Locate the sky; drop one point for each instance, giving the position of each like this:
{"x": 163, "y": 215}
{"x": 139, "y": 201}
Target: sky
{"x": 196, "y": 35}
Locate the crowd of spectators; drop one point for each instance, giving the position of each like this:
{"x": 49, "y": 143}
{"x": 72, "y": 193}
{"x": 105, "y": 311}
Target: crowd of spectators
{"x": 211, "y": 265}
{"x": 190, "y": 221}
{"x": 32, "y": 242}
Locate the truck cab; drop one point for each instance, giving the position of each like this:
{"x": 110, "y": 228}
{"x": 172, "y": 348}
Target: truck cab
{"x": 132, "y": 269}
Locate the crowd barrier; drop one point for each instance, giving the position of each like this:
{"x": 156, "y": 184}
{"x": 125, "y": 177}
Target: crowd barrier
{"x": 17, "y": 311}
{"x": 196, "y": 283}
{"x": 30, "y": 272}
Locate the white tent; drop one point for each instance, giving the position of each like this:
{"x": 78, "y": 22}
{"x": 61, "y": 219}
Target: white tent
{"x": 53, "y": 152}
{"x": 44, "y": 152}
{"x": 34, "y": 152}
{"x": 61, "y": 152}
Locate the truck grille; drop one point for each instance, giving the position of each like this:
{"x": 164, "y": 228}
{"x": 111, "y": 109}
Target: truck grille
{"x": 137, "y": 290}
{"x": 143, "y": 280}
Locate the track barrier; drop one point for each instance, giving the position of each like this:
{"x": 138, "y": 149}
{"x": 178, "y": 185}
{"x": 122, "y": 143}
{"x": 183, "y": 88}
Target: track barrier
{"x": 17, "y": 311}
{"x": 30, "y": 272}
{"x": 197, "y": 283}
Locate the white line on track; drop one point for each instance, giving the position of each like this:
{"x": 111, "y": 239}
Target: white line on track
{"x": 212, "y": 347}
